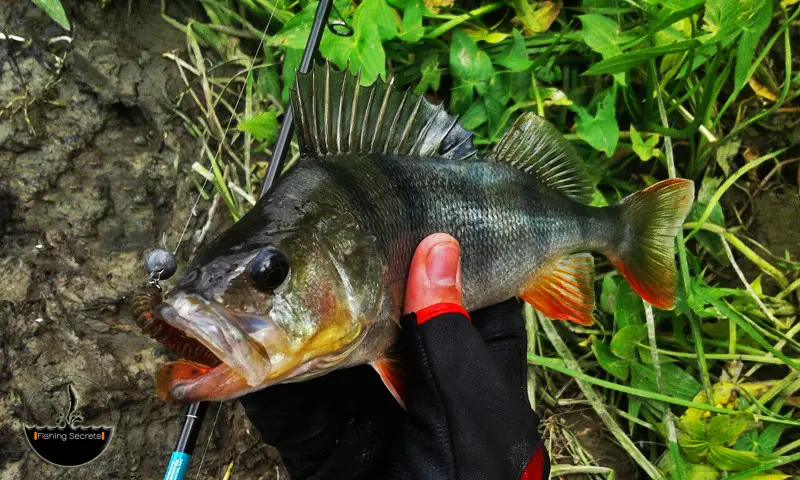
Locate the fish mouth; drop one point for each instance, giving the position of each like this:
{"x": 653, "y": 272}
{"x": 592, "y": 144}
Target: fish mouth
{"x": 227, "y": 353}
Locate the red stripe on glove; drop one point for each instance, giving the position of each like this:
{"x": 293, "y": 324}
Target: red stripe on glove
{"x": 439, "y": 309}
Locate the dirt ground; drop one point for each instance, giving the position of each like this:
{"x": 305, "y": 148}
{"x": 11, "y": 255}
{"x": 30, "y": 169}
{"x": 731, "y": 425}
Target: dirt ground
{"x": 80, "y": 200}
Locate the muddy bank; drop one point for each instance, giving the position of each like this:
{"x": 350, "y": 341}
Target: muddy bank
{"x": 85, "y": 188}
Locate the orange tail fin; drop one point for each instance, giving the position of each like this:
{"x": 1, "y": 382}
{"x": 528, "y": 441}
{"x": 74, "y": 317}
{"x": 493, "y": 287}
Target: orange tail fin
{"x": 646, "y": 256}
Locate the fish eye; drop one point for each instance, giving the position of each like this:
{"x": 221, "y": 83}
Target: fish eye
{"x": 269, "y": 269}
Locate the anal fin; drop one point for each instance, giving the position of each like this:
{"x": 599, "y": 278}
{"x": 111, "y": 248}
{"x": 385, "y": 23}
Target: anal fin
{"x": 393, "y": 375}
{"x": 564, "y": 289}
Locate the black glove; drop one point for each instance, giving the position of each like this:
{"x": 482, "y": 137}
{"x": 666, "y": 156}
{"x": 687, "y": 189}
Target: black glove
{"x": 468, "y": 412}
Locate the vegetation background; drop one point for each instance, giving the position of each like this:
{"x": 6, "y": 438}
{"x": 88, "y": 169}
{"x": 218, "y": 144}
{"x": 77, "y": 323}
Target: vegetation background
{"x": 645, "y": 90}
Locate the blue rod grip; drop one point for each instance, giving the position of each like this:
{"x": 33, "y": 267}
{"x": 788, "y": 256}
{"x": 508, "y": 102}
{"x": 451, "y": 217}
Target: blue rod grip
{"x": 178, "y": 463}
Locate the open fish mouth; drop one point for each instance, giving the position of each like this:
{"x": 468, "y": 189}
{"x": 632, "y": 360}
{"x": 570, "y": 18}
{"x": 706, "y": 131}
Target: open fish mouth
{"x": 219, "y": 357}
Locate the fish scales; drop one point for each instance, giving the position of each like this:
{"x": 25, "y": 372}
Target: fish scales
{"x": 508, "y": 223}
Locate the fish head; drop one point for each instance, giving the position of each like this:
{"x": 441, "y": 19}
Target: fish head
{"x": 285, "y": 305}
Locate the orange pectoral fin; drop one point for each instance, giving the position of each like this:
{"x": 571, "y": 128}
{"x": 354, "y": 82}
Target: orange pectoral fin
{"x": 564, "y": 289}
{"x": 393, "y": 376}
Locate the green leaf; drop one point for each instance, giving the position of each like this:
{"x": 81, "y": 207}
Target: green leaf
{"x": 461, "y": 97}
{"x": 56, "y": 12}
{"x": 673, "y": 13}
{"x": 725, "y": 429}
{"x": 602, "y": 35}
{"x": 634, "y": 407}
{"x": 363, "y": 49}
{"x": 519, "y": 85}
{"x": 753, "y": 30}
{"x": 290, "y": 63}
{"x": 769, "y": 438}
{"x": 608, "y": 293}
{"x": 468, "y": 63}
{"x": 294, "y": 33}
{"x": 696, "y": 450}
{"x": 496, "y": 109}
{"x": 676, "y": 382}
{"x": 748, "y": 441}
{"x": 373, "y": 22}
{"x": 380, "y": 14}
{"x": 208, "y": 37}
{"x": 431, "y": 74}
{"x": 413, "y": 30}
{"x": 485, "y": 35}
{"x": 763, "y": 443}
{"x": 629, "y": 309}
{"x": 516, "y": 57}
{"x": 611, "y": 364}
{"x": 726, "y": 19}
{"x": 626, "y": 61}
{"x": 268, "y": 83}
{"x": 729, "y": 459}
{"x": 701, "y": 472}
{"x": 471, "y": 68}
{"x": 709, "y": 240}
{"x": 645, "y": 149}
{"x": 475, "y": 116}
{"x": 263, "y": 126}
{"x": 601, "y": 131}
{"x": 623, "y": 344}
{"x": 536, "y": 16}
{"x": 725, "y": 153}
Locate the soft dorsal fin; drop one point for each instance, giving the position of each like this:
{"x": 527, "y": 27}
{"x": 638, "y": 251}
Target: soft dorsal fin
{"x": 535, "y": 146}
{"x": 335, "y": 115}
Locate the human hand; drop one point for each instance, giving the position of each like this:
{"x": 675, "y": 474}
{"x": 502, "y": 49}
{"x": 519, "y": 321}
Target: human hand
{"x": 468, "y": 414}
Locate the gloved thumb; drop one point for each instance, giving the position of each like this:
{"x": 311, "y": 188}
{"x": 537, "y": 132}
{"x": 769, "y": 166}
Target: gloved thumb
{"x": 435, "y": 274}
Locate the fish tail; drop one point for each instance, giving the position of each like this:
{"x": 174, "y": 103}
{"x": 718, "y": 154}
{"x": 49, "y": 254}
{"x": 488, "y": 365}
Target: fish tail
{"x": 646, "y": 253}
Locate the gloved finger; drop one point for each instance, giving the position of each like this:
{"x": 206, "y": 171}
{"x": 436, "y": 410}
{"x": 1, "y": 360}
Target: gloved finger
{"x": 502, "y": 327}
{"x": 500, "y": 322}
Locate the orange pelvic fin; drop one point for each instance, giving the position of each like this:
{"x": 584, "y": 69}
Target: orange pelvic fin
{"x": 564, "y": 290}
{"x": 393, "y": 375}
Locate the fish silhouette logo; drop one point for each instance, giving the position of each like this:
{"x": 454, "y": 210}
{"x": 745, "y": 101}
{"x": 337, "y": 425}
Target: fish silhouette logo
{"x": 68, "y": 438}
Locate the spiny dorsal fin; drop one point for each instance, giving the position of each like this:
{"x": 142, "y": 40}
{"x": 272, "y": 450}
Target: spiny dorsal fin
{"x": 335, "y": 115}
{"x": 535, "y": 146}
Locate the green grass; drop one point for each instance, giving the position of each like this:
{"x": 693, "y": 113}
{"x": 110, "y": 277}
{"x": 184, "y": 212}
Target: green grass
{"x": 645, "y": 90}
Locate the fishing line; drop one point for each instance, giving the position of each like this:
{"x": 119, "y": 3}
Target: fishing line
{"x": 208, "y": 442}
{"x": 228, "y": 126}
{"x": 179, "y": 461}
{"x": 197, "y": 410}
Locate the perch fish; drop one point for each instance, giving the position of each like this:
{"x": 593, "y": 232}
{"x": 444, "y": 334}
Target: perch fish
{"x": 311, "y": 279}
